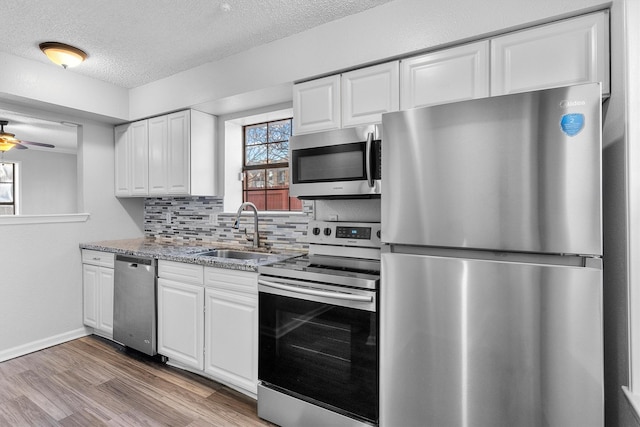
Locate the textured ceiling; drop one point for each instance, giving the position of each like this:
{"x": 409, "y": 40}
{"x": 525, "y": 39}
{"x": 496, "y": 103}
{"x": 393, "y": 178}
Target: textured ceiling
{"x": 133, "y": 42}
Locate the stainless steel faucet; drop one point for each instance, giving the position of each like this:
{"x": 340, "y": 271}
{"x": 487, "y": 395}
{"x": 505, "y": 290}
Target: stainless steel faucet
{"x": 236, "y": 224}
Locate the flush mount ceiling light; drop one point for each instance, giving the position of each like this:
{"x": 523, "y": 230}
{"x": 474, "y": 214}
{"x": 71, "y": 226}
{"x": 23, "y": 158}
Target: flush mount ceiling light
{"x": 63, "y": 54}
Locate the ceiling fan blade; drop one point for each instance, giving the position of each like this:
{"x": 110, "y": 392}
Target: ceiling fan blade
{"x": 39, "y": 144}
{"x": 19, "y": 146}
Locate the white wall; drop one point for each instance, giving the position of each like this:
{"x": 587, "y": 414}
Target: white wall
{"x": 48, "y": 181}
{"x": 621, "y": 186}
{"x": 40, "y": 270}
{"x": 22, "y": 79}
{"x": 232, "y": 165}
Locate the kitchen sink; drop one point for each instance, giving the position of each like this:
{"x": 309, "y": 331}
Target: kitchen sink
{"x": 233, "y": 254}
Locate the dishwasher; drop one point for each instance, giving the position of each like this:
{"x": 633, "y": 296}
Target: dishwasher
{"x": 134, "y": 303}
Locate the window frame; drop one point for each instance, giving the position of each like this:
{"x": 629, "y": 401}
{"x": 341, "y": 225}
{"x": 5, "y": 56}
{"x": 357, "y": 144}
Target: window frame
{"x": 266, "y": 167}
{"x": 15, "y": 188}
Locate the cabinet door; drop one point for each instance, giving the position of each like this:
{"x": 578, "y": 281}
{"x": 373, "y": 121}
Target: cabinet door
{"x": 560, "y": 54}
{"x": 231, "y": 342}
{"x": 178, "y": 171}
{"x": 90, "y": 292}
{"x": 316, "y": 105}
{"x": 139, "y": 139}
{"x": 158, "y": 155}
{"x": 122, "y": 161}
{"x": 97, "y": 298}
{"x": 369, "y": 92}
{"x": 105, "y": 301}
{"x": 181, "y": 322}
{"x": 448, "y": 75}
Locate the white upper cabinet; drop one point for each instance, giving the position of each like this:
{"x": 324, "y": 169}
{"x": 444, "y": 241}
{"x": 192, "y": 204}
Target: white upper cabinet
{"x": 131, "y": 162}
{"x": 354, "y": 98}
{"x": 179, "y": 154}
{"x": 449, "y": 75}
{"x": 139, "y": 140}
{"x": 158, "y": 156}
{"x": 567, "y": 52}
{"x": 369, "y": 92}
{"x": 316, "y": 105}
{"x": 172, "y": 154}
{"x": 123, "y": 157}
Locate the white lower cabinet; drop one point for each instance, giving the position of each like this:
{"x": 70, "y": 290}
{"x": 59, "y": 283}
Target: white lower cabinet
{"x": 231, "y": 327}
{"x": 97, "y": 291}
{"x": 208, "y": 321}
{"x": 181, "y": 313}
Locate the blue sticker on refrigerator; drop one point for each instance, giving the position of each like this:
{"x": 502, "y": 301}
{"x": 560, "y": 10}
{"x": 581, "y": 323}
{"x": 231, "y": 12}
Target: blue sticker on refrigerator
{"x": 572, "y": 124}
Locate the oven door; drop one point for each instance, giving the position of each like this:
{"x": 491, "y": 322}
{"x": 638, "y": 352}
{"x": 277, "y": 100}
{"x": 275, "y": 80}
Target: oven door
{"x": 319, "y": 344}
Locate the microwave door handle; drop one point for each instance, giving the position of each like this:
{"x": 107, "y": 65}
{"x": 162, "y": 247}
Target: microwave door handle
{"x": 367, "y": 160}
{"x": 306, "y": 291}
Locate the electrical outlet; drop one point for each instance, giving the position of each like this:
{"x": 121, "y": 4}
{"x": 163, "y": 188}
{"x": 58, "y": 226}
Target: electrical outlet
{"x": 213, "y": 219}
{"x": 167, "y": 218}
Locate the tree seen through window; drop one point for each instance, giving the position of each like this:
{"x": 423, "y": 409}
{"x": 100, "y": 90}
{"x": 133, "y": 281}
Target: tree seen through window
{"x": 266, "y": 166}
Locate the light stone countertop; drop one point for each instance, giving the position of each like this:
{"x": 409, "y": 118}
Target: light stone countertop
{"x": 187, "y": 251}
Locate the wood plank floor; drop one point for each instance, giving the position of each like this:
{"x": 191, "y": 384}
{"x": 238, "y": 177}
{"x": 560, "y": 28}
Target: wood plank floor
{"x": 92, "y": 382}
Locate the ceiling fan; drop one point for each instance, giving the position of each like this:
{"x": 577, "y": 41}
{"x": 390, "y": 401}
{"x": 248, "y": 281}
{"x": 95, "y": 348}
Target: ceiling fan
{"x": 9, "y": 140}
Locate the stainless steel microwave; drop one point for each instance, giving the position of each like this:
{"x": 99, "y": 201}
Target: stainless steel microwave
{"x": 344, "y": 163}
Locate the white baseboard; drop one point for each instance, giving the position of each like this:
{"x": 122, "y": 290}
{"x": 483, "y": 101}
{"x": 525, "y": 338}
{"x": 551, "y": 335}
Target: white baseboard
{"x": 43, "y": 343}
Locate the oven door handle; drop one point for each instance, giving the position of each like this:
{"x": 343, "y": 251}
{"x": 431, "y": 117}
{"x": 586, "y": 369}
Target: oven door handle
{"x": 306, "y": 291}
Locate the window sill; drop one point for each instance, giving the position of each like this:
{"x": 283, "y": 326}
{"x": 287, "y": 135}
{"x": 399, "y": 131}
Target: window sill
{"x": 43, "y": 219}
{"x": 634, "y": 401}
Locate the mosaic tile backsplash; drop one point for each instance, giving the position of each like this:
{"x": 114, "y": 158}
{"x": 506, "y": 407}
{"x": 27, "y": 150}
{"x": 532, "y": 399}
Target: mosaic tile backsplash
{"x": 202, "y": 219}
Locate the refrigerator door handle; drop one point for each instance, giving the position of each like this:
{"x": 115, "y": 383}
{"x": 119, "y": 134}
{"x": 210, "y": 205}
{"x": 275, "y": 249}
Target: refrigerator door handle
{"x": 367, "y": 160}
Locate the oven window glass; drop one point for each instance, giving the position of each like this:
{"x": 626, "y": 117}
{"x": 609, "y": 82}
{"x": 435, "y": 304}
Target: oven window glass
{"x": 322, "y": 353}
{"x": 333, "y": 163}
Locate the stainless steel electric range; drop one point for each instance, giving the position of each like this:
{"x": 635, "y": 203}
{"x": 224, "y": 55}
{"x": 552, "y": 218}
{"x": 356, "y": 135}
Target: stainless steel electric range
{"x": 318, "y": 346}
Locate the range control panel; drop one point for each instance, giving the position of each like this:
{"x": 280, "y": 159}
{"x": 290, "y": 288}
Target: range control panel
{"x": 364, "y": 234}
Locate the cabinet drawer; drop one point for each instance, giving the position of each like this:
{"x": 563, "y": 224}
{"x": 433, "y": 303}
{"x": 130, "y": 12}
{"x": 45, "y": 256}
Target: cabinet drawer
{"x": 103, "y": 259}
{"x": 181, "y": 272}
{"x": 233, "y": 280}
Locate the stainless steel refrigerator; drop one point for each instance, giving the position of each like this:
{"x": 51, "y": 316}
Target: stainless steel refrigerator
{"x": 491, "y": 281}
